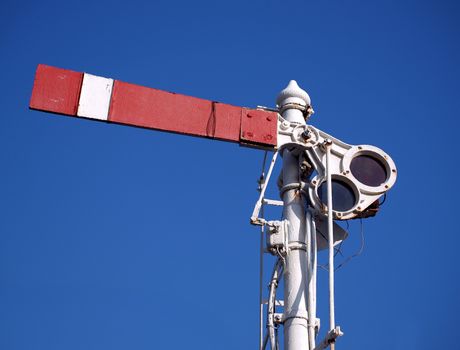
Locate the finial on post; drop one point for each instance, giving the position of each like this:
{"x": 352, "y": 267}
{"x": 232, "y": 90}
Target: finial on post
{"x": 295, "y": 102}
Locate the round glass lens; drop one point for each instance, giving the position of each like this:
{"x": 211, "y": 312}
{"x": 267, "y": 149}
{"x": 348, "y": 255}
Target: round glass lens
{"x": 368, "y": 170}
{"x": 343, "y": 197}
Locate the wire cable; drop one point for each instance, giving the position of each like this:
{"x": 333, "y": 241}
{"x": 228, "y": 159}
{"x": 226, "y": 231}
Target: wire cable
{"x": 360, "y": 250}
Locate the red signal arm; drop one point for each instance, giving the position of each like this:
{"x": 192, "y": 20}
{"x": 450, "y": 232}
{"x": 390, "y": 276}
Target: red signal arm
{"x": 83, "y": 95}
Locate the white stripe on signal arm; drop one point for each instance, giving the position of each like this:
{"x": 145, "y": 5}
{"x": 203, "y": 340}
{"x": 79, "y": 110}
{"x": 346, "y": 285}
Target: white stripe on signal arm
{"x": 95, "y": 97}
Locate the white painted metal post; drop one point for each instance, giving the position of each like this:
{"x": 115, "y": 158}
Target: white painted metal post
{"x": 291, "y": 101}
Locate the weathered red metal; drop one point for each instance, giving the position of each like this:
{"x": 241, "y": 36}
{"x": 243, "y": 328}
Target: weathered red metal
{"x": 259, "y": 127}
{"x": 161, "y": 110}
{"x": 56, "y": 90}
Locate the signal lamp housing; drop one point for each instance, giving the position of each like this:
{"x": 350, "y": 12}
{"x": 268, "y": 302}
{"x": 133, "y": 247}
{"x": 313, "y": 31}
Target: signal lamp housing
{"x": 360, "y": 176}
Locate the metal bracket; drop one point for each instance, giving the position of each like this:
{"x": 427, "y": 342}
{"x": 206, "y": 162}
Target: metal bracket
{"x": 310, "y": 142}
{"x": 330, "y": 338}
{"x": 295, "y": 136}
{"x": 255, "y": 220}
{"x": 278, "y": 318}
{"x": 277, "y": 236}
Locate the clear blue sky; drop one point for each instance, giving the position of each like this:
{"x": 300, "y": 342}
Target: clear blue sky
{"x": 121, "y": 238}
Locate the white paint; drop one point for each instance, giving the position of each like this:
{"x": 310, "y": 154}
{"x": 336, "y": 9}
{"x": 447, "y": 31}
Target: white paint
{"x": 330, "y": 236}
{"x": 95, "y": 97}
{"x": 296, "y": 261}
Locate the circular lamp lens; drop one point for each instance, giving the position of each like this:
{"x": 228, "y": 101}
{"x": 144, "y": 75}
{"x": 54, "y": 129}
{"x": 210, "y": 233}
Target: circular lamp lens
{"x": 368, "y": 170}
{"x": 343, "y": 197}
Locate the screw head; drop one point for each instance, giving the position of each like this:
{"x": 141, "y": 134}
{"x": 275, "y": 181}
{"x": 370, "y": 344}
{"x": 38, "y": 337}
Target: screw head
{"x": 306, "y": 134}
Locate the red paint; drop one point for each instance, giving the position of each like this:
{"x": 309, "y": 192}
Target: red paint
{"x": 56, "y": 90}
{"x": 228, "y": 122}
{"x": 161, "y": 110}
{"x": 155, "y": 109}
{"x": 259, "y": 127}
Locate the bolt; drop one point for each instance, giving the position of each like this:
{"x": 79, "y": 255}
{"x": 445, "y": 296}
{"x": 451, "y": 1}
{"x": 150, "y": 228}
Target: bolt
{"x": 249, "y": 134}
{"x": 269, "y": 119}
{"x": 268, "y": 137}
{"x": 248, "y": 115}
{"x": 306, "y": 134}
{"x": 284, "y": 125}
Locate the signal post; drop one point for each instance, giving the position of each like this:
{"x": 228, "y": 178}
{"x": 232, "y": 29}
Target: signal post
{"x": 292, "y": 102}
{"x": 353, "y": 178}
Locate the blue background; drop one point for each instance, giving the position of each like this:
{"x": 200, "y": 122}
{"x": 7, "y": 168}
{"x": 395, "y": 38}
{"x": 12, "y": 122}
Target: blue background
{"x": 121, "y": 238}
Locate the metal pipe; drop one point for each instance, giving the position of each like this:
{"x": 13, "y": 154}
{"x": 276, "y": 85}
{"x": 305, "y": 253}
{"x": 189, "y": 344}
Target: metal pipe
{"x": 330, "y": 238}
{"x": 262, "y": 184}
{"x": 261, "y": 274}
{"x": 310, "y": 281}
{"x": 315, "y": 270}
{"x": 295, "y": 273}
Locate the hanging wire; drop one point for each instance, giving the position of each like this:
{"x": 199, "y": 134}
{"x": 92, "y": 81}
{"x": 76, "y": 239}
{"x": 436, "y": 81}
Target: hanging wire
{"x": 338, "y": 249}
{"x": 262, "y": 174}
{"x": 360, "y": 250}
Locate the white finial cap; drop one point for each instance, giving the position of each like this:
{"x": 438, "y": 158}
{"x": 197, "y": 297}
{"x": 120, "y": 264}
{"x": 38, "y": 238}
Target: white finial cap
{"x": 293, "y": 94}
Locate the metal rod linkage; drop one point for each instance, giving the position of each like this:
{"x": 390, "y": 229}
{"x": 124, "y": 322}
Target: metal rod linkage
{"x": 330, "y": 237}
{"x": 255, "y": 214}
{"x": 310, "y": 280}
